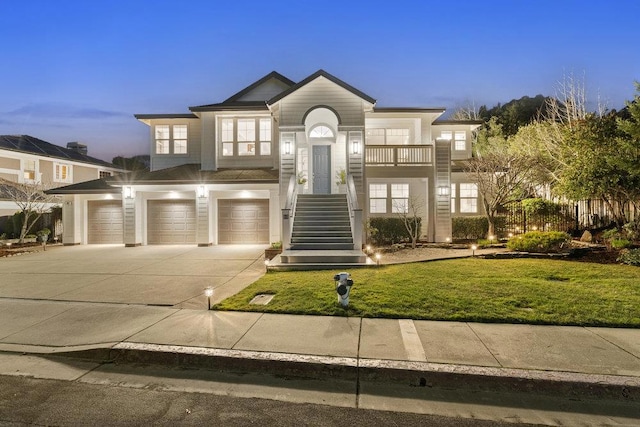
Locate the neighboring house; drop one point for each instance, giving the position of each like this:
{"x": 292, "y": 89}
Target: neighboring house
{"x": 25, "y": 159}
{"x": 227, "y": 172}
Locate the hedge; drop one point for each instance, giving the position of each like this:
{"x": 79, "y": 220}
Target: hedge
{"x": 386, "y": 231}
{"x": 475, "y": 227}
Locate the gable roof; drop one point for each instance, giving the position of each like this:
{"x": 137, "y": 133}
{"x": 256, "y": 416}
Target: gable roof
{"x": 234, "y": 103}
{"x": 312, "y": 77}
{"x": 31, "y": 145}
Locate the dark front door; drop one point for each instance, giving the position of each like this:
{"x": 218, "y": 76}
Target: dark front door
{"x": 321, "y": 169}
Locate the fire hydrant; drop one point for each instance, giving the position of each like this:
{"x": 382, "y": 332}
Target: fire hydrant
{"x": 343, "y": 287}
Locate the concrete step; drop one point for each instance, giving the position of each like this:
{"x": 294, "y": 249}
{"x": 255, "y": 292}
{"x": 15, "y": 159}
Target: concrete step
{"x": 293, "y": 256}
{"x": 321, "y": 233}
{"x": 321, "y": 246}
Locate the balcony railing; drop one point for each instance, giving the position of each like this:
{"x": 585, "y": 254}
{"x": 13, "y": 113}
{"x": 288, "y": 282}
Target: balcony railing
{"x": 398, "y": 155}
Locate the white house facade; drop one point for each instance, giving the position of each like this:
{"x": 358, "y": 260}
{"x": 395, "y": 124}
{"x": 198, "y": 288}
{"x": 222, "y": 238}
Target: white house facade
{"x": 250, "y": 168}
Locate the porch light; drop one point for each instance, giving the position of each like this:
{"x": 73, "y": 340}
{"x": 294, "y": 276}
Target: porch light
{"x": 473, "y": 250}
{"x": 202, "y": 193}
{"x": 287, "y": 147}
{"x": 443, "y": 191}
{"x": 128, "y": 192}
{"x": 355, "y": 147}
{"x": 208, "y": 292}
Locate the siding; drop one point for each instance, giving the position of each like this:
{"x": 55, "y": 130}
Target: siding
{"x": 194, "y": 136}
{"x": 322, "y": 92}
{"x": 6, "y": 163}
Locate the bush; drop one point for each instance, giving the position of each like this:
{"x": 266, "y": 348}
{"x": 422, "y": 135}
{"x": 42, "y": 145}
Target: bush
{"x": 475, "y": 227}
{"x": 620, "y": 243}
{"x": 630, "y": 257}
{"x": 386, "y": 231}
{"x": 539, "y": 241}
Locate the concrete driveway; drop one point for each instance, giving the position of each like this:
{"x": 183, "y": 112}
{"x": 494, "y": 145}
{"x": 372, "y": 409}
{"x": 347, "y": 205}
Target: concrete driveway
{"x": 151, "y": 275}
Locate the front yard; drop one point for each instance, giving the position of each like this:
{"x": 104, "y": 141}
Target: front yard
{"x": 471, "y": 289}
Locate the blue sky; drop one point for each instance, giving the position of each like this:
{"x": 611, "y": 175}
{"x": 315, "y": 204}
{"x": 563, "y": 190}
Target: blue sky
{"x": 78, "y": 70}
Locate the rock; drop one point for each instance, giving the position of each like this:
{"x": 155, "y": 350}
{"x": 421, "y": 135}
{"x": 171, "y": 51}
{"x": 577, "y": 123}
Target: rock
{"x": 586, "y": 237}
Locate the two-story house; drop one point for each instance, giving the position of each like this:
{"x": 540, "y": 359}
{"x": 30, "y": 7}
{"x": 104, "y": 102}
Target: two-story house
{"x": 25, "y": 159}
{"x": 266, "y": 164}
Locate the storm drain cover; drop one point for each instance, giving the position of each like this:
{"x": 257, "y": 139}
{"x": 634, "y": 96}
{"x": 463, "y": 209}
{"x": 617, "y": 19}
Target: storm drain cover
{"x": 262, "y": 299}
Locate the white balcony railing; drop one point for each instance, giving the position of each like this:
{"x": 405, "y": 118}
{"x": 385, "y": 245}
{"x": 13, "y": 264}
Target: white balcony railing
{"x": 398, "y": 155}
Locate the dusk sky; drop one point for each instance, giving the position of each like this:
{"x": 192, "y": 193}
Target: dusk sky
{"x": 79, "y": 70}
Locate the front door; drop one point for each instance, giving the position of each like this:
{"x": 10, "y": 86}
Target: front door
{"x": 321, "y": 169}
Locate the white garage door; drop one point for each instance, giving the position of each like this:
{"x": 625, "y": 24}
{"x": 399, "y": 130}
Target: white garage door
{"x": 105, "y": 221}
{"x": 171, "y": 222}
{"x": 243, "y": 221}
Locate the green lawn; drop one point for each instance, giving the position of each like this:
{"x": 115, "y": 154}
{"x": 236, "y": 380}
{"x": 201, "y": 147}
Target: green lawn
{"x": 472, "y": 289}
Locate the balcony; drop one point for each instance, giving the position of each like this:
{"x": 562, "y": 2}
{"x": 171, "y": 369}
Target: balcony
{"x": 398, "y": 155}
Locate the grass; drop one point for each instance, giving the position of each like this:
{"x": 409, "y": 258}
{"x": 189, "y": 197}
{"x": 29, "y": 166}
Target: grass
{"x": 472, "y": 289}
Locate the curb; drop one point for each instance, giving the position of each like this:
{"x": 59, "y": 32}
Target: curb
{"x": 411, "y": 374}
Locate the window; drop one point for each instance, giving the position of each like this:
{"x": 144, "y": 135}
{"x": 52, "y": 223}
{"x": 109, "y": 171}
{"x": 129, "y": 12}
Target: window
{"x": 243, "y": 137}
{"x": 227, "y": 137}
{"x": 265, "y": 137}
{"x": 399, "y": 198}
{"x": 246, "y": 137}
{"x": 377, "y": 198}
{"x": 453, "y": 198}
{"x": 468, "y": 198}
{"x": 446, "y": 134}
{"x": 460, "y": 141}
{"x": 321, "y": 132}
{"x": 180, "y": 139}
{"x": 387, "y": 136}
{"x": 105, "y": 174}
{"x": 162, "y": 139}
{"x": 29, "y": 170}
{"x": 62, "y": 173}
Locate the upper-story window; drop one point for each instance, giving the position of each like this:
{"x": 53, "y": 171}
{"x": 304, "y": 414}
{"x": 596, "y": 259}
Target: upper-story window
{"x": 245, "y": 136}
{"x": 391, "y": 136}
{"x": 104, "y": 174}
{"x": 29, "y": 170}
{"x": 62, "y": 173}
{"x": 164, "y": 137}
{"x": 460, "y": 140}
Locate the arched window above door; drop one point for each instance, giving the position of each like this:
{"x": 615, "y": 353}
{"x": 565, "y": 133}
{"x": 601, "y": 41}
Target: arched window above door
{"x": 321, "y": 131}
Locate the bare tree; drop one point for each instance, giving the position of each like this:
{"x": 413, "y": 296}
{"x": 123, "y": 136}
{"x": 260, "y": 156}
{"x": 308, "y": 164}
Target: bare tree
{"x": 468, "y": 111}
{"x": 409, "y": 214}
{"x": 31, "y": 199}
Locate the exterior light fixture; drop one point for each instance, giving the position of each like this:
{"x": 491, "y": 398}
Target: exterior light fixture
{"x": 266, "y": 264}
{"x": 510, "y": 235}
{"x": 369, "y": 249}
{"x": 473, "y": 250}
{"x": 448, "y": 240}
{"x": 355, "y": 147}
{"x": 208, "y": 291}
{"x": 491, "y": 238}
{"x": 534, "y": 228}
{"x": 443, "y": 191}
{"x": 287, "y": 147}
{"x": 128, "y": 192}
{"x": 378, "y": 256}
{"x": 202, "y": 192}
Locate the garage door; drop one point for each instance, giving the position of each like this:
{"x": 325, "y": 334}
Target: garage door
{"x": 243, "y": 221}
{"x": 171, "y": 222}
{"x": 105, "y": 221}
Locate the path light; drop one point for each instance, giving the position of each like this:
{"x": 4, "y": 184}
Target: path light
{"x": 534, "y": 228}
{"x": 491, "y": 239}
{"x": 266, "y": 264}
{"x": 208, "y": 291}
{"x": 378, "y": 256}
{"x": 510, "y": 235}
{"x": 448, "y": 240}
{"x": 473, "y": 250}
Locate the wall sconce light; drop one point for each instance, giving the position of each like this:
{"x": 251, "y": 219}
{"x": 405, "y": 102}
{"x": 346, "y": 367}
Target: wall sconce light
{"x": 443, "y": 191}
{"x": 287, "y": 147}
{"x": 355, "y": 147}
{"x": 128, "y": 192}
{"x": 202, "y": 193}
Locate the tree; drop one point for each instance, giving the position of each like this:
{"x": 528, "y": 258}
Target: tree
{"x": 31, "y": 200}
{"x": 409, "y": 214}
{"x": 500, "y": 172}
{"x": 135, "y": 163}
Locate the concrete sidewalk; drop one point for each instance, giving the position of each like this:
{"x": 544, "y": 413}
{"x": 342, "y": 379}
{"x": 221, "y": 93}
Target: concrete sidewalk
{"x": 548, "y": 355}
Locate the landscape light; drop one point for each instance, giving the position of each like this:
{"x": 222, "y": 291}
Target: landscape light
{"x": 208, "y": 291}
{"x": 473, "y": 250}
{"x": 266, "y": 264}
{"x": 378, "y": 256}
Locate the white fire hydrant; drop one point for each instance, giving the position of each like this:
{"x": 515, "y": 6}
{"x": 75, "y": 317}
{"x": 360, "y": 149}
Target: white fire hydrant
{"x": 343, "y": 287}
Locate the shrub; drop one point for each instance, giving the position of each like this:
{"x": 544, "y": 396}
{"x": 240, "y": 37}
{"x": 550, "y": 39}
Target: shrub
{"x": 620, "y": 243}
{"x": 475, "y": 227}
{"x": 630, "y": 257}
{"x": 386, "y": 231}
{"x": 541, "y": 207}
{"x": 539, "y": 241}
{"x": 611, "y": 234}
